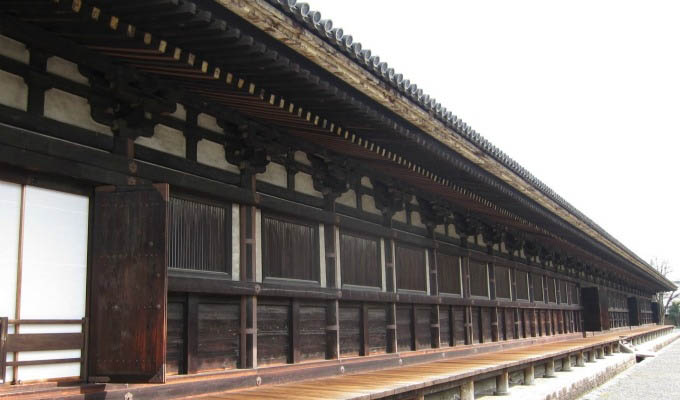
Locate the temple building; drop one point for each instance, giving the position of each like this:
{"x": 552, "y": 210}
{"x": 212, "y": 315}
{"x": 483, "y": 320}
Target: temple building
{"x": 208, "y": 195}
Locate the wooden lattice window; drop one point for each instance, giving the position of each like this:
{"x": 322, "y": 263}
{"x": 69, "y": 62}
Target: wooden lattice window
{"x": 538, "y": 287}
{"x": 522, "y": 279}
{"x": 411, "y": 272}
{"x": 360, "y": 260}
{"x": 289, "y": 249}
{"x": 448, "y": 270}
{"x": 479, "y": 279}
{"x": 502, "y": 276}
{"x": 200, "y": 236}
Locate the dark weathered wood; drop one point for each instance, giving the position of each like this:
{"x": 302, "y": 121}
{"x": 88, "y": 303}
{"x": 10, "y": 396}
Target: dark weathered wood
{"x": 3, "y": 347}
{"x": 129, "y": 276}
{"x": 294, "y": 337}
{"x": 360, "y": 257}
{"x": 248, "y": 243}
{"x": 410, "y": 265}
{"x": 391, "y": 338}
{"x": 289, "y": 249}
{"x": 43, "y": 342}
{"x": 365, "y": 346}
{"x": 332, "y": 330}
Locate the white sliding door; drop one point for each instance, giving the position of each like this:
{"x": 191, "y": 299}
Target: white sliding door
{"x": 52, "y": 252}
{"x": 10, "y": 215}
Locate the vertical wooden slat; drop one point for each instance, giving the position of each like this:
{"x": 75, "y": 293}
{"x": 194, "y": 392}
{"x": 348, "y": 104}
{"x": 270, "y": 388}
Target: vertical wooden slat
{"x": 390, "y": 286}
{"x": 435, "y": 327}
{"x": 85, "y": 328}
{"x": 20, "y": 262}
{"x": 248, "y": 238}
{"x": 468, "y": 325}
{"x": 516, "y": 329}
{"x": 294, "y": 336}
{"x": 249, "y": 331}
{"x": 192, "y": 336}
{"x": 4, "y": 321}
{"x": 414, "y": 329}
{"x": 333, "y": 330}
{"x": 452, "y": 325}
{"x": 495, "y": 336}
{"x": 365, "y": 349}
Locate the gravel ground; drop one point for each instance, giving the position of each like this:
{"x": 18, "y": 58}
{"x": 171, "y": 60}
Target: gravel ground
{"x": 655, "y": 378}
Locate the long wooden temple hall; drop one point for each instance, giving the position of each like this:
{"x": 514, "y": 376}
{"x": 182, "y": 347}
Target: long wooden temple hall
{"x": 234, "y": 199}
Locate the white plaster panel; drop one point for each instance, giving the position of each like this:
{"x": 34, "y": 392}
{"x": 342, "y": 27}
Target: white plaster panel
{"x": 66, "y": 69}
{"x": 165, "y": 139}
{"x": 338, "y": 261}
{"x": 368, "y": 204}
{"x": 452, "y": 231}
{"x": 235, "y": 242}
{"x": 349, "y": 199}
{"x": 10, "y": 48}
{"x": 480, "y": 240}
{"x": 10, "y": 214}
{"x": 383, "y": 274}
{"x": 440, "y": 229}
{"x": 305, "y": 184}
{"x": 366, "y": 181}
{"x": 54, "y": 263}
{"x": 14, "y": 91}
{"x": 301, "y": 157}
{"x": 471, "y": 239}
{"x": 415, "y": 219}
{"x": 427, "y": 271}
{"x": 71, "y": 109}
{"x": 180, "y": 112}
{"x": 212, "y": 154}
{"x": 322, "y": 256}
{"x": 503, "y": 248}
{"x": 400, "y": 216}
{"x": 258, "y": 246}
{"x": 275, "y": 174}
{"x": 208, "y": 122}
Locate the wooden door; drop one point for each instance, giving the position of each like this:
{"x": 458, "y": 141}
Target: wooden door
{"x": 129, "y": 284}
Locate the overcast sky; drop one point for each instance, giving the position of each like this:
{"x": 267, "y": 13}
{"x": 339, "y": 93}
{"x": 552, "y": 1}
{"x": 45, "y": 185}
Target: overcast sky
{"x": 584, "y": 94}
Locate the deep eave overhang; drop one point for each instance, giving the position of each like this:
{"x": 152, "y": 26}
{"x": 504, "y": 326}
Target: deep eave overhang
{"x": 283, "y": 27}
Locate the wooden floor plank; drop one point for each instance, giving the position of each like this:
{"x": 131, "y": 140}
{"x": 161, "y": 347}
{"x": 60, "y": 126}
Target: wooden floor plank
{"x": 373, "y": 384}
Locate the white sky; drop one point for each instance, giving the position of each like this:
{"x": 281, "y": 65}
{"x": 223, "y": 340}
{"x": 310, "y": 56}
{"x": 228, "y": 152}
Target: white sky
{"x": 584, "y": 94}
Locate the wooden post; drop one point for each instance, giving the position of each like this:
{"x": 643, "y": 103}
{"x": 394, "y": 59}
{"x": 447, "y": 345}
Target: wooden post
{"x": 435, "y": 332}
{"x": 529, "y": 375}
{"x": 550, "y": 369}
{"x": 191, "y": 344}
{"x": 294, "y": 336}
{"x": 502, "y": 387}
{"x": 391, "y": 287}
{"x": 331, "y": 239}
{"x": 333, "y": 330}
{"x": 4, "y": 321}
{"x": 467, "y": 390}
{"x": 566, "y": 363}
{"x": 364, "y": 351}
{"x": 495, "y": 335}
{"x": 248, "y": 273}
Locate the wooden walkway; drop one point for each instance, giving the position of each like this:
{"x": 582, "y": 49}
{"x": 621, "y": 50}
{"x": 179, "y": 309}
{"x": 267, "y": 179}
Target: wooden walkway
{"x": 388, "y": 382}
{"x": 406, "y": 381}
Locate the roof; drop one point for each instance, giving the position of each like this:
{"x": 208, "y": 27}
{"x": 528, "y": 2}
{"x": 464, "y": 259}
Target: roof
{"x": 371, "y": 62}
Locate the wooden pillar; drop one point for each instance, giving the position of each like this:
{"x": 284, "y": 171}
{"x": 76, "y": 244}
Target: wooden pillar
{"x": 591, "y": 356}
{"x": 495, "y": 316}
{"x": 331, "y": 240}
{"x": 248, "y": 273}
{"x": 566, "y": 363}
{"x": 332, "y": 330}
{"x": 435, "y": 339}
{"x": 466, "y": 293}
{"x": 580, "y": 359}
{"x": 518, "y": 321}
{"x": 390, "y": 285}
{"x": 529, "y": 375}
{"x": 534, "y": 323}
{"x": 294, "y": 334}
{"x": 550, "y": 369}
{"x": 502, "y": 384}
{"x": 467, "y": 390}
